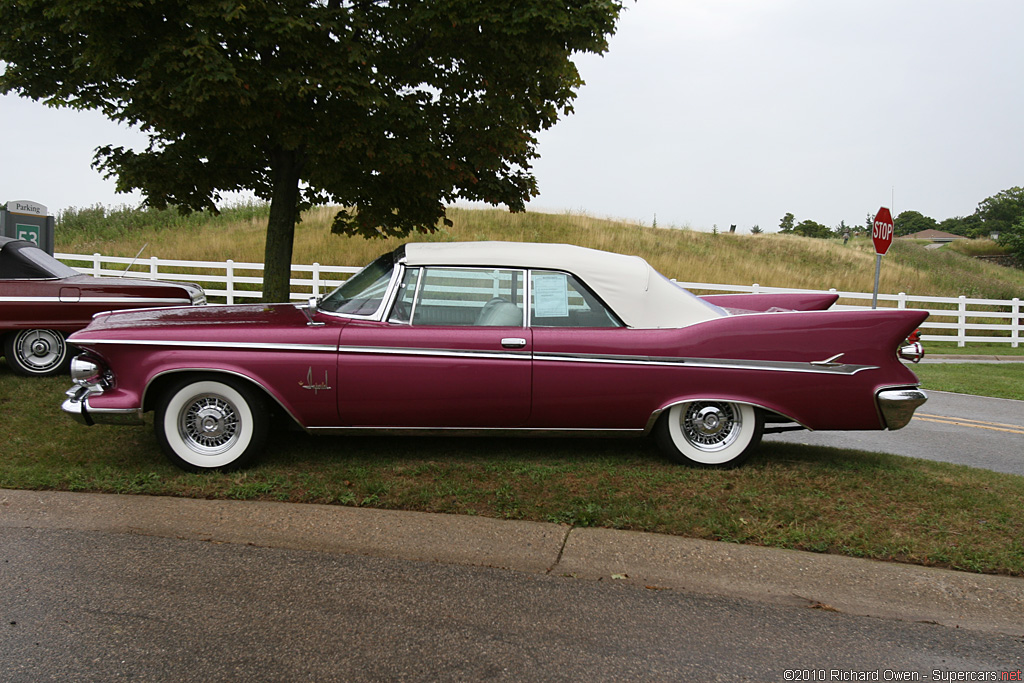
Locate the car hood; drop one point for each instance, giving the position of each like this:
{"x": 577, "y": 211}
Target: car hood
{"x": 121, "y": 282}
{"x": 236, "y": 321}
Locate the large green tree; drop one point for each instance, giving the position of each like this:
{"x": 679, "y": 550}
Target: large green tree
{"x": 1012, "y": 237}
{"x": 966, "y": 226}
{"x": 910, "y": 222}
{"x": 1002, "y": 210}
{"x": 392, "y": 108}
{"x": 786, "y": 224}
{"x": 809, "y": 228}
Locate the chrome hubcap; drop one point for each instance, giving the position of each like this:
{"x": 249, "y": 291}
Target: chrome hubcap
{"x": 209, "y": 425}
{"x": 40, "y": 350}
{"x": 711, "y": 426}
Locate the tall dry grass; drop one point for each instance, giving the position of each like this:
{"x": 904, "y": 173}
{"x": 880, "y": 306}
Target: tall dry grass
{"x": 767, "y": 259}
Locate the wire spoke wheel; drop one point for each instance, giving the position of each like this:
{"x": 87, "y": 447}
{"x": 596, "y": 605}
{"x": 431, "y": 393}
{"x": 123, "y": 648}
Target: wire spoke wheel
{"x": 711, "y": 426}
{"x": 205, "y": 424}
{"x": 710, "y": 433}
{"x": 209, "y": 424}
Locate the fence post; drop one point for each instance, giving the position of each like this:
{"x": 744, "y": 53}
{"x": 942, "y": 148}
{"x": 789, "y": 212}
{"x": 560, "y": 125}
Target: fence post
{"x": 154, "y": 268}
{"x": 901, "y": 300}
{"x": 229, "y": 280}
{"x": 756, "y": 288}
{"x": 316, "y": 280}
{"x": 1015, "y": 323}
{"x": 96, "y": 264}
{"x": 961, "y": 322}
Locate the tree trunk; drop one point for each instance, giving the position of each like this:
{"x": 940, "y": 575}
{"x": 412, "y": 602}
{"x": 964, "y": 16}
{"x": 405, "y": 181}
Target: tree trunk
{"x": 284, "y": 213}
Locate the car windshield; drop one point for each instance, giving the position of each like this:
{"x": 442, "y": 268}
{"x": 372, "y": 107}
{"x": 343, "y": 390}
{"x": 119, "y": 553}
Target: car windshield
{"x": 362, "y": 293}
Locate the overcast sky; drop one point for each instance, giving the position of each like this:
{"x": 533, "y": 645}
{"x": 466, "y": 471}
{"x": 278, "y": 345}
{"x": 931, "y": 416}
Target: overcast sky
{"x": 719, "y": 112}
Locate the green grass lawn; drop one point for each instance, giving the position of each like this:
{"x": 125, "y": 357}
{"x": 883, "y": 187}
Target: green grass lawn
{"x": 807, "y": 498}
{"x": 934, "y": 348}
{"x": 999, "y": 380}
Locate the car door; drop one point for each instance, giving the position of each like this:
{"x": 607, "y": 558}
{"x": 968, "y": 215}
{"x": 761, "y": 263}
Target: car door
{"x": 590, "y": 371}
{"x": 452, "y": 353}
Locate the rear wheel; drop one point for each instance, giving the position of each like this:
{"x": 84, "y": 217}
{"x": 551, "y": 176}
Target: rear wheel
{"x": 208, "y": 424}
{"x": 717, "y": 434}
{"x": 37, "y": 353}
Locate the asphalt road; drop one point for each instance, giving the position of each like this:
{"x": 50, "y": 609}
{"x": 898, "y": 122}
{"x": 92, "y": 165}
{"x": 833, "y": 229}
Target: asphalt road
{"x": 93, "y": 606}
{"x": 967, "y": 430}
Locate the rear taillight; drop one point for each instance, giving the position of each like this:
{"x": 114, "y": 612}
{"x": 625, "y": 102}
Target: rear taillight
{"x": 912, "y": 352}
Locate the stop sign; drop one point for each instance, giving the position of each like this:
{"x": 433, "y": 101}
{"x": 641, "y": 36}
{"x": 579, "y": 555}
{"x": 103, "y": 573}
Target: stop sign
{"x": 881, "y": 233}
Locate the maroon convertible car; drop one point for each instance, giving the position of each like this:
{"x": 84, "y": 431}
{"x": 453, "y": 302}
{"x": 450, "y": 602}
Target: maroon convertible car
{"x": 500, "y": 338}
{"x": 42, "y": 300}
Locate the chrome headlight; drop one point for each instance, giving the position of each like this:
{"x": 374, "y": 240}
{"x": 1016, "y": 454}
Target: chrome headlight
{"x": 86, "y": 373}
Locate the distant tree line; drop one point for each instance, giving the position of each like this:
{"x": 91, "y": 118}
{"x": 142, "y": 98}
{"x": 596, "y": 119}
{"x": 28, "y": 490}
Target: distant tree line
{"x": 1002, "y": 214}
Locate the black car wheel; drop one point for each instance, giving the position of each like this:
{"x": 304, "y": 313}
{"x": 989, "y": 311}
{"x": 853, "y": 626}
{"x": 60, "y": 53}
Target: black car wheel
{"x": 37, "y": 353}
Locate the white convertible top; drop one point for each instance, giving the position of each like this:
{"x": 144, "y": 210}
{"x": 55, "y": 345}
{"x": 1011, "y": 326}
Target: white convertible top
{"x": 639, "y": 295}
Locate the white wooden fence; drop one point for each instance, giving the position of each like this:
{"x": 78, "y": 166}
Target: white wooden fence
{"x": 960, "y": 319}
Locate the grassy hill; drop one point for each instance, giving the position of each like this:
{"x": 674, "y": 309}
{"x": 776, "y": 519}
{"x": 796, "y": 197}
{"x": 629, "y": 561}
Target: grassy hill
{"x": 690, "y": 256}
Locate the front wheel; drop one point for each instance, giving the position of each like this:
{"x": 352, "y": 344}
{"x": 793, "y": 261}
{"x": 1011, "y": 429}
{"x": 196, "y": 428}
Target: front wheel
{"x": 717, "y": 434}
{"x": 37, "y": 353}
{"x": 207, "y": 424}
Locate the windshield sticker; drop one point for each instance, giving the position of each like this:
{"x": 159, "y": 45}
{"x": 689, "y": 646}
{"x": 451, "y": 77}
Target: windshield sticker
{"x": 550, "y": 295}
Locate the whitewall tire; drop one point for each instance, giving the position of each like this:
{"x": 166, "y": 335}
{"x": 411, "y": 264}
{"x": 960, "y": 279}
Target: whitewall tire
{"x": 211, "y": 424}
{"x": 710, "y": 433}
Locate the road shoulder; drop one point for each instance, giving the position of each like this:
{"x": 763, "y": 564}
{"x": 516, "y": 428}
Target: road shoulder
{"x": 656, "y": 561}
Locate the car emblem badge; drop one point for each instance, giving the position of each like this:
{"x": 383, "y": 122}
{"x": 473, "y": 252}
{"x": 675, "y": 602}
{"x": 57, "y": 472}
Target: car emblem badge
{"x": 315, "y": 387}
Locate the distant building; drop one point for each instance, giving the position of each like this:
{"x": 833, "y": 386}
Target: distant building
{"x": 934, "y": 236}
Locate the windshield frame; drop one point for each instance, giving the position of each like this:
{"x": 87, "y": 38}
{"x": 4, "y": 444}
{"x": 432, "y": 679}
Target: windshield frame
{"x": 371, "y": 274}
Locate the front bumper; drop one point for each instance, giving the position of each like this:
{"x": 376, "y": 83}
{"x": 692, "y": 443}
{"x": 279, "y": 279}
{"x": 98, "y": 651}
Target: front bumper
{"x": 77, "y": 406}
{"x": 898, "y": 405}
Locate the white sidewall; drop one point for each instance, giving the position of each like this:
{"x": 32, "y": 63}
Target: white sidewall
{"x": 182, "y": 398}
{"x": 735, "y": 449}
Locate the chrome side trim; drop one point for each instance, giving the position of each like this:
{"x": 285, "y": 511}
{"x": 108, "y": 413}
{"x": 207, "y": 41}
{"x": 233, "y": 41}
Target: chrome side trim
{"x": 476, "y": 431}
{"x": 729, "y": 364}
{"x": 453, "y": 353}
{"x": 96, "y": 300}
{"x": 603, "y": 359}
{"x": 253, "y": 346}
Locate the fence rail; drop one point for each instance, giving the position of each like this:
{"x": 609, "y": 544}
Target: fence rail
{"x": 960, "y": 319}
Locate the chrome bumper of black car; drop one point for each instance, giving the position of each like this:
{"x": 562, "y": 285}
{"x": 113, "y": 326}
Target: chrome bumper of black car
{"x": 77, "y": 406}
{"x": 898, "y": 405}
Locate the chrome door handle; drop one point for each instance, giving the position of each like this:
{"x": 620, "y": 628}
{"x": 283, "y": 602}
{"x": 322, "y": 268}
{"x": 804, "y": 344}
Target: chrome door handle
{"x": 513, "y": 342}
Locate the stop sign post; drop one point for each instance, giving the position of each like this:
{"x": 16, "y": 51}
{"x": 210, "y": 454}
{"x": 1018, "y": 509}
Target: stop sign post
{"x": 881, "y": 235}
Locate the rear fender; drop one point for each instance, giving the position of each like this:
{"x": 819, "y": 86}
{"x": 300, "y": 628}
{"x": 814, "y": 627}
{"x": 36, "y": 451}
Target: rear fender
{"x": 783, "y": 301}
{"x": 774, "y": 413}
{"x": 861, "y": 337}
